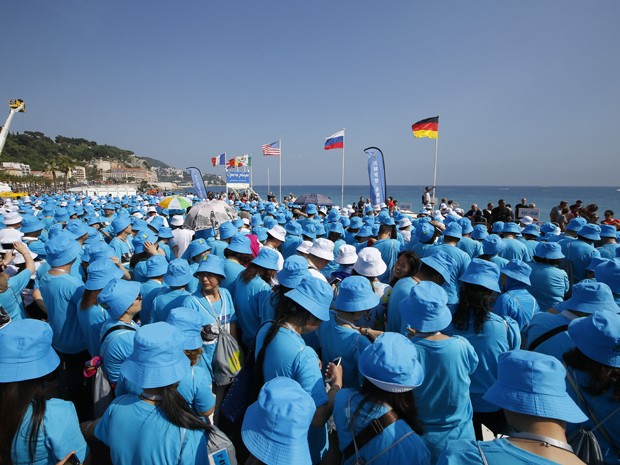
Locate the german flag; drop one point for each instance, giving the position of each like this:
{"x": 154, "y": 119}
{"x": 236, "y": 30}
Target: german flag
{"x": 428, "y": 127}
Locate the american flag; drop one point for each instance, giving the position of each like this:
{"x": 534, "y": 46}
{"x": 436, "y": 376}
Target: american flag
{"x": 272, "y": 150}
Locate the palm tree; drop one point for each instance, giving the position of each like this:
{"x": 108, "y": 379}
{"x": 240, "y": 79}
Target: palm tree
{"x": 51, "y": 166}
{"x": 65, "y": 165}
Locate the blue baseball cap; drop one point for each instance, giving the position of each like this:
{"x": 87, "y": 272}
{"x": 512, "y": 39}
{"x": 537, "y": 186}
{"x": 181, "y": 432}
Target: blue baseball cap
{"x": 315, "y": 295}
{"x": 212, "y": 264}
{"x": 189, "y": 322}
{"x": 426, "y": 308}
{"x": 62, "y": 249}
{"x": 598, "y": 337}
{"x": 117, "y": 296}
{"x": 295, "y": 269}
{"x": 26, "y": 351}
{"x": 275, "y": 427}
{"x": 157, "y": 265}
{"x": 100, "y": 273}
{"x": 534, "y": 384}
{"x": 240, "y": 243}
{"x": 391, "y": 363}
{"x": 179, "y": 273}
{"x": 482, "y": 273}
{"x": 589, "y": 297}
{"x": 518, "y": 270}
{"x": 355, "y": 295}
{"x": 267, "y": 258}
{"x": 157, "y": 359}
{"x": 548, "y": 250}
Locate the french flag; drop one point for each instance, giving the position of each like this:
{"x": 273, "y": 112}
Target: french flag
{"x": 335, "y": 141}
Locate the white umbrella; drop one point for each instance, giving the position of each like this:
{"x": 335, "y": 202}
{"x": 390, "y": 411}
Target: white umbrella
{"x": 209, "y": 214}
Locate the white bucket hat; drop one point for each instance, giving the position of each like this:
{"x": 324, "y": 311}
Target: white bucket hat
{"x": 322, "y": 248}
{"x": 346, "y": 255}
{"x": 369, "y": 263}
{"x": 278, "y": 232}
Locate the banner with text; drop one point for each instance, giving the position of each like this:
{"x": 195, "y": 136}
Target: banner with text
{"x": 199, "y": 184}
{"x": 376, "y": 175}
{"x": 238, "y": 179}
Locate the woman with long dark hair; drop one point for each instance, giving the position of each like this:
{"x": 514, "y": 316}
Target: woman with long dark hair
{"x": 281, "y": 351}
{"x": 391, "y": 371}
{"x": 35, "y": 429}
{"x": 594, "y": 377}
{"x": 490, "y": 335}
{"x": 166, "y": 429}
{"x": 251, "y": 287}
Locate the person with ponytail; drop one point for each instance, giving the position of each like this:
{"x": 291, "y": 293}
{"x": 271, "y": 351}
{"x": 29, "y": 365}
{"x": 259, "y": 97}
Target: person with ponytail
{"x": 35, "y": 429}
{"x": 157, "y": 426}
{"x": 281, "y": 351}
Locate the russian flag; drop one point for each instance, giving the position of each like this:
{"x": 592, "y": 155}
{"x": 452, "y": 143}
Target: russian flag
{"x": 335, "y": 141}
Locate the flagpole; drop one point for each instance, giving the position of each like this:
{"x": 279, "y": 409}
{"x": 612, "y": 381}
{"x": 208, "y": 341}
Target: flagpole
{"x": 280, "y": 194}
{"x": 435, "y": 173}
{"x": 342, "y": 194}
{"x": 225, "y": 174}
{"x": 268, "y": 187}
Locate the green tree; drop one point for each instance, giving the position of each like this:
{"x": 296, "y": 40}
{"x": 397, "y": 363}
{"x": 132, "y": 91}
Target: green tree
{"x": 51, "y": 166}
{"x": 65, "y": 165}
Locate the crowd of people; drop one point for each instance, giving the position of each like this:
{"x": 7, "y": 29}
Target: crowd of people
{"x": 301, "y": 334}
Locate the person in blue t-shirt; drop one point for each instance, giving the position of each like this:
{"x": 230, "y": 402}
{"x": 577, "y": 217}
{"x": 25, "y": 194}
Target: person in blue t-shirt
{"x": 549, "y": 282}
{"x": 444, "y": 406}
{"x": 391, "y": 372}
{"x": 516, "y": 301}
{"x": 177, "y": 278}
{"x": 281, "y": 351}
{"x": 488, "y": 333}
{"x": 238, "y": 256}
{"x": 531, "y": 390}
{"x": 156, "y": 269}
{"x": 35, "y": 429}
{"x": 12, "y": 287}
{"x": 166, "y": 429}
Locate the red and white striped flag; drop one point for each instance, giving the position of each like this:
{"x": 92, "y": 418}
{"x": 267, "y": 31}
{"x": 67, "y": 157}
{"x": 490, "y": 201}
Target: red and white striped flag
{"x": 272, "y": 150}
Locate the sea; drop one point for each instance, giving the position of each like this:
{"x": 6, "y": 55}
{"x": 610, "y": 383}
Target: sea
{"x": 544, "y": 197}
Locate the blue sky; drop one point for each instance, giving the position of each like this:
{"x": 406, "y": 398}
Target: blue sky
{"x": 527, "y": 91}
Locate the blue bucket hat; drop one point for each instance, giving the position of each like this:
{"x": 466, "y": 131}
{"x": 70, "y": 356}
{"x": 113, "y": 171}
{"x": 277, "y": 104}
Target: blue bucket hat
{"x": 576, "y": 224}
{"x": 441, "y": 262}
{"x": 466, "y": 226}
{"x": 534, "y": 384}
{"x": 482, "y": 273}
{"x": 260, "y": 232}
{"x": 212, "y": 264}
{"x": 275, "y": 427}
{"x": 497, "y": 227}
{"x": 189, "y": 322}
{"x": 141, "y": 238}
{"x": 293, "y": 228}
{"x": 120, "y": 223}
{"x": 61, "y": 215}
{"x": 589, "y": 297}
{"x": 93, "y": 220}
{"x": 479, "y": 232}
{"x": 425, "y": 231}
{"x": 117, "y": 296}
{"x": 315, "y": 295}
{"x": 492, "y": 245}
{"x": 31, "y": 223}
{"x": 607, "y": 230}
{"x": 157, "y": 359}
{"x": 426, "y": 308}
{"x": 355, "y": 295}
{"x": 238, "y": 223}
{"x": 532, "y": 230}
{"x": 269, "y": 222}
{"x": 596, "y": 261}
{"x": 336, "y": 228}
{"x": 157, "y": 265}
{"x": 165, "y": 233}
{"x": 518, "y": 270}
{"x": 61, "y": 249}
{"x": 179, "y": 273}
{"x": 97, "y": 250}
{"x": 100, "y": 273}
{"x": 365, "y": 231}
{"x": 196, "y": 247}
{"x": 511, "y": 228}
{"x": 267, "y": 258}
{"x": 453, "y": 230}
{"x": 344, "y": 221}
{"x": 549, "y": 229}
{"x": 609, "y": 273}
{"x": 26, "y": 351}
{"x": 549, "y": 250}
{"x": 156, "y": 223}
{"x": 256, "y": 220}
{"x": 295, "y": 269}
{"x": 356, "y": 223}
{"x": 391, "y": 363}
{"x": 598, "y": 337}
{"x": 591, "y": 232}
{"x": 227, "y": 230}
{"x": 240, "y": 243}
{"x": 311, "y": 209}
